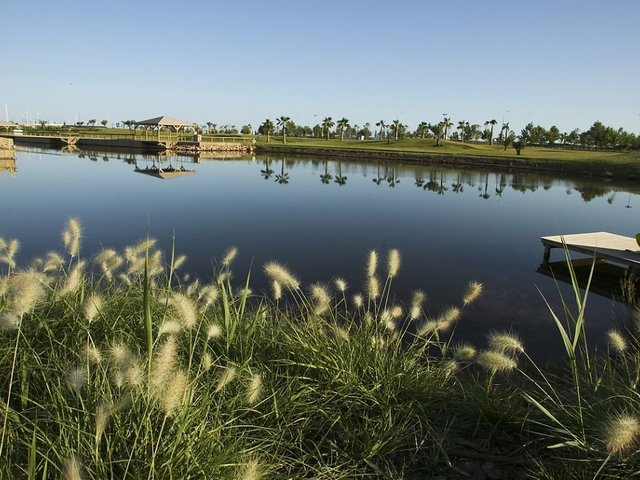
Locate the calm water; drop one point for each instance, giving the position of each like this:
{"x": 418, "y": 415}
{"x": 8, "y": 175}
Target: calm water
{"x": 321, "y": 218}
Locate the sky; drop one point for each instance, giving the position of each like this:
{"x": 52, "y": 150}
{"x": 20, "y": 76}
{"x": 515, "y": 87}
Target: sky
{"x": 564, "y": 63}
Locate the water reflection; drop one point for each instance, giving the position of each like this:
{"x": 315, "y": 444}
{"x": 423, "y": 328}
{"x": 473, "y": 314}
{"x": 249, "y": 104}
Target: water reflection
{"x": 160, "y": 171}
{"x": 8, "y": 165}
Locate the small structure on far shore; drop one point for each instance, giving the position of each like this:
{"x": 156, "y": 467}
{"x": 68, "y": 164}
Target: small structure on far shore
{"x": 164, "y": 121}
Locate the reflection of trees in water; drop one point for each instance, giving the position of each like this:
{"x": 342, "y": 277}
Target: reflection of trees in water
{"x": 326, "y": 176}
{"x": 283, "y": 178}
{"x": 340, "y": 179}
{"x": 266, "y": 172}
{"x": 442, "y": 180}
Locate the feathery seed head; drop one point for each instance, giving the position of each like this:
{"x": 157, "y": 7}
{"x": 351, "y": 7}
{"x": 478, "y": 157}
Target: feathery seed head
{"x": 251, "y": 470}
{"x": 3, "y": 243}
{"x": 279, "y": 273}
{"x": 71, "y": 236}
{"x": 372, "y": 263}
{"x": 207, "y": 361}
{"x": 464, "y": 352}
{"x": 93, "y": 354}
{"x": 12, "y": 248}
{"x": 53, "y": 262}
{"x": 72, "y": 469}
{"x": 92, "y": 307}
{"x": 340, "y": 283}
{"x": 174, "y": 395}
{"x": 124, "y": 278}
{"x": 277, "y": 290}
{"x": 393, "y": 262}
{"x": 495, "y": 362}
{"x": 473, "y": 292}
{"x": 186, "y": 310}
{"x": 213, "y": 331}
{"x": 505, "y": 343}
{"x": 142, "y": 246}
{"x": 373, "y": 287}
{"x": 163, "y": 366}
{"x": 321, "y": 297}
{"x": 342, "y": 333}
{"x": 179, "y": 261}
{"x": 76, "y": 379}
{"x": 24, "y": 292}
{"x": 254, "y": 390}
{"x": 229, "y": 256}
{"x": 9, "y": 321}
{"x": 169, "y": 327}
{"x": 102, "y": 419}
{"x": 416, "y": 304}
{"x": 428, "y": 328}
{"x": 73, "y": 281}
{"x": 226, "y": 378}
{"x": 223, "y": 277}
{"x": 193, "y": 288}
{"x": 208, "y": 295}
{"x": 396, "y": 311}
{"x": 621, "y": 433}
{"x": 358, "y": 300}
{"x": 617, "y": 342}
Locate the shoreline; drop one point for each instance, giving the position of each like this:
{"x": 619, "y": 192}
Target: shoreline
{"x": 588, "y": 168}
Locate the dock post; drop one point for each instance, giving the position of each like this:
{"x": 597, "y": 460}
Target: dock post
{"x": 547, "y": 255}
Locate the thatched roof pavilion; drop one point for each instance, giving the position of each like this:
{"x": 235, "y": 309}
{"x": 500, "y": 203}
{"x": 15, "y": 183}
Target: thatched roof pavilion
{"x": 165, "y": 121}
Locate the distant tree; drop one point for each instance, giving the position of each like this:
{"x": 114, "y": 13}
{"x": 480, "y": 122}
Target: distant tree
{"x": 397, "y": 127}
{"x": 266, "y": 128}
{"x": 342, "y": 124}
{"x": 423, "y": 128}
{"x": 282, "y": 123}
{"x": 43, "y": 124}
{"x": 327, "y": 125}
{"x": 493, "y": 123}
{"x": 553, "y": 134}
{"x": 92, "y": 122}
{"x": 365, "y": 131}
{"x": 446, "y": 125}
{"x": 104, "y": 122}
{"x": 79, "y": 124}
{"x": 246, "y": 129}
{"x": 437, "y": 132}
{"x": 383, "y": 128}
{"x": 518, "y": 145}
{"x": 463, "y": 126}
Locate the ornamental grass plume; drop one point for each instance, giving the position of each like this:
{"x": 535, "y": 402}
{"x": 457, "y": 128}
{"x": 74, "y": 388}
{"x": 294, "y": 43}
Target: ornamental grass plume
{"x": 179, "y": 261}
{"x": 207, "y": 361}
{"x": 186, "y": 309}
{"x": 72, "y": 469}
{"x": 464, "y": 352}
{"x": 621, "y": 433}
{"x": 103, "y": 412}
{"x": 208, "y": 295}
{"x": 358, "y": 300}
{"x": 372, "y": 263}
{"x": 495, "y": 362}
{"x": 617, "y": 342}
{"x": 473, "y": 292}
{"x": 416, "y": 305}
{"x": 52, "y": 262}
{"x": 76, "y": 379}
{"x": 108, "y": 261}
{"x": 163, "y": 366}
{"x": 279, "y": 273}
{"x": 71, "y": 237}
{"x": 73, "y": 280}
{"x": 226, "y": 377}
{"x": 169, "y": 327}
{"x": 321, "y": 298}
{"x": 393, "y": 263}
{"x": 92, "y": 307}
{"x": 251, "y": 470}
{"x": 340, "y": 283}
{"x": 213, "y": 331}
{"x": 93, "y": 354}
{"x": 175, "y": 393}
{"x": 276, "y": 289}
{"x": 254, "y": 390}
{"x": 429, "y": 327}
{"x": 24, "y": 292}
{"x": 229, "y": 256}
{"x": 505, "y": 343}
{"x": 9, "y": 321}
{"x": 126, "y": 366}
{"x": 373, "y": 287}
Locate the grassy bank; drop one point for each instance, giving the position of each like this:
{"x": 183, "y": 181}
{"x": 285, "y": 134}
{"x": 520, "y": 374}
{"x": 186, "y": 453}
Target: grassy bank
{"x": 601, "y": 163}
{"x": 117, "y": 366}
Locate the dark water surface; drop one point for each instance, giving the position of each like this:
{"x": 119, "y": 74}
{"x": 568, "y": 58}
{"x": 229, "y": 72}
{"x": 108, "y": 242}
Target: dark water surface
{"x": 321, "y": 217}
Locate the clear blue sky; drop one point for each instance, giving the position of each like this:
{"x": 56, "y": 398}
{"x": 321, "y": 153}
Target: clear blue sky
{"x": 561, "y": 62}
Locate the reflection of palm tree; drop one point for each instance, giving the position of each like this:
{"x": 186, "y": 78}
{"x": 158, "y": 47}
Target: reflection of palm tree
{"x": 283, "y": 178}
{"x": 500, "y": 186}
{"x": 419, "y": 180}
{"x": 485, "y": 195}
{"x": 340, "y": 179}
{"x": 457, "y": 187}
{"x": 326, "y": 176}
{"x": 441, "y": 187}
{"x": 378, "y": 180}
{"x": 267, "y": 172}
{"x": 393, "y": 180}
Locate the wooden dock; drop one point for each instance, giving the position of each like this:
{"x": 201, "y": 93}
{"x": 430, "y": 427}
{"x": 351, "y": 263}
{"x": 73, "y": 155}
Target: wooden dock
{"x": 604, "y": 246}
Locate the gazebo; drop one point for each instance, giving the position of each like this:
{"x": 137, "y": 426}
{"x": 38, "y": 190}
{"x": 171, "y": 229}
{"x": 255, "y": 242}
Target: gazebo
{"x": 165, "y": 121}
{"x": 8, "y": 125}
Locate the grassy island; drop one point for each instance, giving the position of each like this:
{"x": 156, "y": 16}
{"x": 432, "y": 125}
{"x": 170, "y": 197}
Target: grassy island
{"x": 117, "y": 366}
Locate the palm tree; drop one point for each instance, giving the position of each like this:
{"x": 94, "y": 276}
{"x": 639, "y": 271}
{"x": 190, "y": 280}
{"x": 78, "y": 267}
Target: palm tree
{"x": 267, "y": 128}
{"x": 343, "y": 123}
{"x": 446, "y": 124}
{"x": 461, "y": 126}
{"x": 437, "y": 132}
{"x": 327, "y": 124}
{"x": 282, "y": 122}
{"x": 493, "y": 123}
{"x": 423, "y": 127}
{"x": 396, "y": 126}
{"x": 506, "y": 136}
{"x": 383, "y": 127}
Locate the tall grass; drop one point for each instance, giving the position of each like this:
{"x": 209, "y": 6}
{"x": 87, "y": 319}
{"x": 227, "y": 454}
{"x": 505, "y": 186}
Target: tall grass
{"x": 116, "y": 367}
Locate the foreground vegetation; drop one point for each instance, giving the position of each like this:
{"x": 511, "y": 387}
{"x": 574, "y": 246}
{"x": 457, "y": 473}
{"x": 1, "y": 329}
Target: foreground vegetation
{"x": 119, "y": 367}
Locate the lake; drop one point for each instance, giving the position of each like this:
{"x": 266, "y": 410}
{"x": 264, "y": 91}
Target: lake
{"x": 320, "y": 217}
